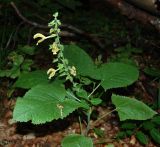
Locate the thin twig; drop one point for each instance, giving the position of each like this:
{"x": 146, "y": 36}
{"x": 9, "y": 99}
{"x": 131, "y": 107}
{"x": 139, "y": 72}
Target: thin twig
{"x": 135, "y": 13}
{"x": 25, "y": 19}
{"x": 102, "y": 117}
{"x": 90, "y": 37}
{"x": 94, "y": 89}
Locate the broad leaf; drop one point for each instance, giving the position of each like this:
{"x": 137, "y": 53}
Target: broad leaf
{"x": 129, "y": 108}
{"x": 44, "y": 103}
{"x": 75, "y": 140}
{"x": 31, "y": 79}
{"x": 114, "y": 75}
{"x": 80, "y": 59}
{"x": 54, "y": 91}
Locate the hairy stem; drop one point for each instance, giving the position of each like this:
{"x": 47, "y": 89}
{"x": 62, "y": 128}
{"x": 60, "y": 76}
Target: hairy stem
{"x": 88, "y": 121}
{"x": 80, "y": 124}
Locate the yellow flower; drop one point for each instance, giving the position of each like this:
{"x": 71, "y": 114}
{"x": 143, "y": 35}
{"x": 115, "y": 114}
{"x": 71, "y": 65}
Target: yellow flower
{"x": 41, "y": 36}
{"x": 54, "y": 48}
{"x": 51, "y": 72}
{"x": 61, "y": 109}
{"x": 73, "y": 71}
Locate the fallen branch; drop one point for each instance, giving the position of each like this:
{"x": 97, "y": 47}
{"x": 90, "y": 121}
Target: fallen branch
{"x": 134, "y": 13}
{"x": 90, "y": 37}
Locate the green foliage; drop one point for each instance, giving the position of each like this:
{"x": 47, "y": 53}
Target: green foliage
{"x": 28, "y": 50}
{"x": 33, "y": 78}
{"x": 128, "y": 126}
{"x": 99, "y": 132}
{"x": 48, "y": 100}
{"x": 44, "y": 103}
{"x": 75, "y": 140}
{"x": 152, "y": 72}
{"x": 124, "y": 54}
{"x": 155, "y": 134}
{"x": 143, "y": 130}
{"x": 131, "y": 108}
{"x": 142, "y": 137}
{"x": 155, "y": 73}
{"x": 147, "y": 125}
{"x": 80, "y": 59}
{"x": 156, "y": 120}
{"x": 114, "y": 75}
{"x": 18, "y": 63}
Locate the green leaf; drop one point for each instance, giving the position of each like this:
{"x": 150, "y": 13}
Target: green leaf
{"x": 155, "y": 134}
{"x": 14, "y": 72}
{"x": 156, "y": 120}
{"x": 85, "y": 105}
{"x": 75, "y": 140}
{"x": 55, "y": 90}
{"x": 152, "y": 72}
{"x": 130, "y": 108}
{"x": 129, "y": 132}
{"x": 26, "y": 66}
{"x": 17, "y": 60}
{"x": 80, "y": 59}
{"x": 82, "y": 93}
{"x": 99, "y": 132}
{"x": 142, "y": 137}
{"x": 27, "y": 49}
{"x": 5, "y": 73}
{"x": 148, "y": 125}
{"x": 110, "y": 145}
{"x": 44, "y": 103}
{"x": 96, "y": 101}
{"x": 114, "y": 75}
{"x": 121, "y": 135}
{"x": 128, "y": 126}
{"x": 85, "y": 81}
{"x": 31, "y": 79}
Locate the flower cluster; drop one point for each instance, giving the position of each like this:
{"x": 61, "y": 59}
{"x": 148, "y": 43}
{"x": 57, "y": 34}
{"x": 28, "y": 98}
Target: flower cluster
{"x": 57, "y": 50}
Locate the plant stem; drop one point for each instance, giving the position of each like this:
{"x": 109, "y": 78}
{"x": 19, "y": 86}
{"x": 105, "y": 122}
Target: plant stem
{"x": 80, "y": 124}
{"x": 88, "y": 121}
{"x": 103, "y": 116}
{"x": 73, "y": 96}
{"x": 94, "y": 89}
